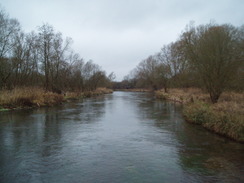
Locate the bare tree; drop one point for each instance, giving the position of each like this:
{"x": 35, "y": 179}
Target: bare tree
{"x": 214, "y": 52}
{"x": 72, "y": 75}
{"x": 27, "y": 59}
{"x": 46, "y": 36}
{"x": 151, "y": 72}
{"x": 58, "y": 60}
{"x": 92, "y": 75}
{"x": 8, "y": 29}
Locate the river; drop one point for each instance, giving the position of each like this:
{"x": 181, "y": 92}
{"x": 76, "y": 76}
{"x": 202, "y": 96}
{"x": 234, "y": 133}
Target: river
{"x": 119, "y": 138}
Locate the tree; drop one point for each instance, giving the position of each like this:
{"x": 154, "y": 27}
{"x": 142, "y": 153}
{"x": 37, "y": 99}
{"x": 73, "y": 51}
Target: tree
{"x": 58, "y": 57}
{"x": 46, "y": 36}
{"x": 29, "y": 59}
{"x": 33, "y": 58}
{"x": 8, "y": 30}
{"x": 151, "y": 72}
{"x": 93, "y": 76}
{"x": 167, "y": 68}
{"x": 214, "y": 52}
{"x": 72, "y": 75}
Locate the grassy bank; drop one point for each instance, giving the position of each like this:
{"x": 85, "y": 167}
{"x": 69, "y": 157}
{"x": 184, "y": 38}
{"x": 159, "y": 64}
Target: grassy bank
{"x": 37, "y": 97}
{"x": 87, "y": 94}
{"x": 225, "y": 117}
{"x": 134, "y": 90}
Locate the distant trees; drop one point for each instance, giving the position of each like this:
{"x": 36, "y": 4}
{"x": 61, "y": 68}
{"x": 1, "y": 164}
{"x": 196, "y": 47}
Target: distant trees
{"x": 209, "y": 56}
{"x": 93, "y": 76}
{"x": 44, "y": 59}
{"x": 146, "y": 73}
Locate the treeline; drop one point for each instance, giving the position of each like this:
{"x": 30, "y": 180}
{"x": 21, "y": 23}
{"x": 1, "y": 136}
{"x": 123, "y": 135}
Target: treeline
{"x": 44, "y": 58}
{"x": 208, "y": 56}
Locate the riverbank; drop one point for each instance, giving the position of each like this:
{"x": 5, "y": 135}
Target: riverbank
{"x": 30, "y": 97}
{"x": 224, "y": 118}
{"x": 134, "y": 90}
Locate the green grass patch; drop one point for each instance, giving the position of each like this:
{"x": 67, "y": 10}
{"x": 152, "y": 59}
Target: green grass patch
{"x": 3, "y": 109}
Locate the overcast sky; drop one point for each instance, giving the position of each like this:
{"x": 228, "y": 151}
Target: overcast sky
{"x": 118, "y": 34}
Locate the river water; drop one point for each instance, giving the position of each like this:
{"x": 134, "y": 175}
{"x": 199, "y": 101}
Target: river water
{"x": 120, "y": 137}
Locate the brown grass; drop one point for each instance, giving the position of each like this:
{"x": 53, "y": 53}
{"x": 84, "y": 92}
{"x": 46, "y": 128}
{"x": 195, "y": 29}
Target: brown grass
{"x": 183, "y": 96}
{"x": 37, "y": 97}
{"x": 73, "y": 95}
{"x": 28, "y": 97}
{"x": 98, "y": 91}
{"x": 135, "y": 90}
{"x": 224, "y": 121}
{"x": 225, "y": 117}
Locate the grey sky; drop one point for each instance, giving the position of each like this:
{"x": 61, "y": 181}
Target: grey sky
{"x": 118, "y": 34}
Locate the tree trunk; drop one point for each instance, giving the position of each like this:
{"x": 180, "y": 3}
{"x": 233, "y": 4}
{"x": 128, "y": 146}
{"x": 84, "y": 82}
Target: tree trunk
{"x": 165, "y": 89}
{"x": 214, "y": 96}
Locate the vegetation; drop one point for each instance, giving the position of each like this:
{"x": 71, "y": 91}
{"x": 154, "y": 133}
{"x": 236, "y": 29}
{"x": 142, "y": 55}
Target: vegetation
{"x": 183, "y": 96}
{"x": 39, "y": 68}
{"x": 28, "y": 97}
{"x": 208, "y": 58}
{"x": 215, "y": 52}
{"x": 44, "y": 59}
{"x": 217, "y": 119}
{"x": 38, "y": 97}
{"x": 225, "y": 117}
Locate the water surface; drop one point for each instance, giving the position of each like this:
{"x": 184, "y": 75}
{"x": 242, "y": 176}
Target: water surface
{"x": 120, "y": 137}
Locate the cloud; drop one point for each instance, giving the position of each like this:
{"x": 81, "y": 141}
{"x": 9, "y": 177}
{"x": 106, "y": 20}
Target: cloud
{"x": 118, "y": 34}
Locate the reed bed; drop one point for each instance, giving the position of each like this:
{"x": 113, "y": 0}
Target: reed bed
{"x": 27, "y": 97}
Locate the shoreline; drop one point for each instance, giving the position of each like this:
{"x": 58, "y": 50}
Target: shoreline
{"x": 29, "y": 98}
{"x": 225, "y": 118}
{"x": 133, "y": 90}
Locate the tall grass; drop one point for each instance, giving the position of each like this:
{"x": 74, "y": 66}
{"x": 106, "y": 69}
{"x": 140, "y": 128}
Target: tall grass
{"x": 78, "y": 94}
{"x": 98, "y": 91}
{"x": 224, "y": 121}
{"x": 28, "y": 97}
{"x": 225, "y": 117}
{"x": 184, "y": 96}
{"x": 37, "y": 97}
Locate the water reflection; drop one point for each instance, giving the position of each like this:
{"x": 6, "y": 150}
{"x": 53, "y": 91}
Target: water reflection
{"x": 123, "y": 137}
{"x": 31, "y": 141}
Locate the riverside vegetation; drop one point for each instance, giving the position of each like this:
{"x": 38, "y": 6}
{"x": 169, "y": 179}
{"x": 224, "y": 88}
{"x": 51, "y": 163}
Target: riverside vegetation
{"x": 38, "y": 97}
{"x": 225, "y": 117}
{"x": 41, "y": 69}
{"x": 210, "y": 58}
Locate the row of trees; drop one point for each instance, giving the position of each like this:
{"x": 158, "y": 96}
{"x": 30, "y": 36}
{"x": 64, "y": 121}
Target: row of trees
{"x": 44, "y": 58}
{"x": 209, "y": 56}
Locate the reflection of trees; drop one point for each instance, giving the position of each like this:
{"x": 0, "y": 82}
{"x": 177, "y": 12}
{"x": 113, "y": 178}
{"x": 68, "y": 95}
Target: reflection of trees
{"x": 88, "y": 111}
{"x": 38, "y": 135}
{"x": 164, "y": 115}
{"x": 46, "y": 124}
